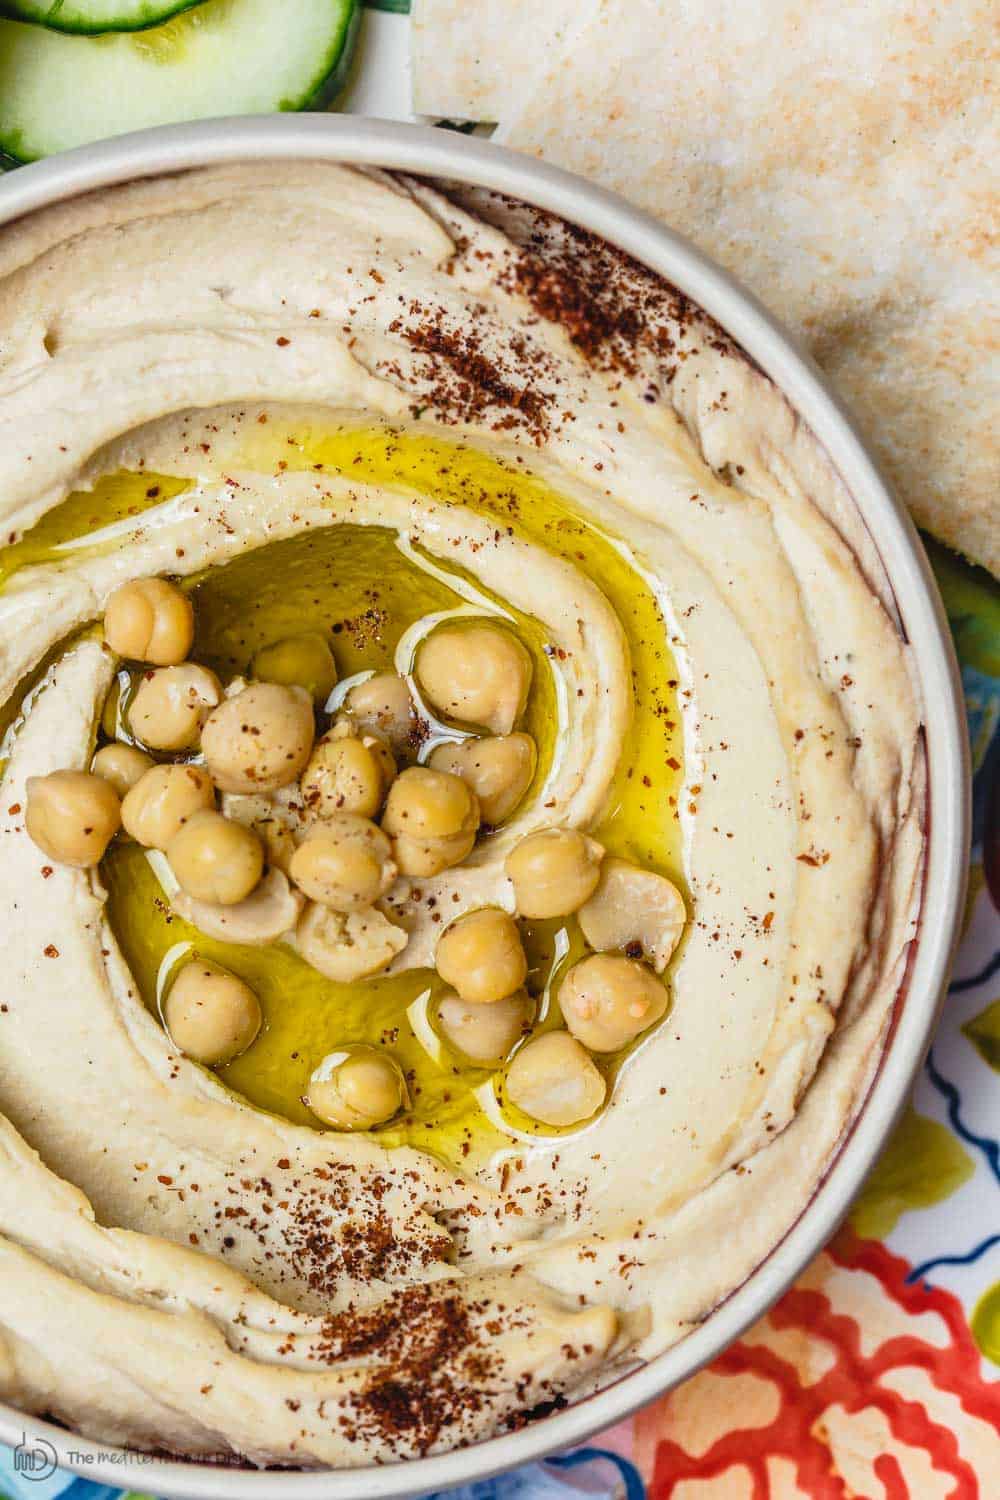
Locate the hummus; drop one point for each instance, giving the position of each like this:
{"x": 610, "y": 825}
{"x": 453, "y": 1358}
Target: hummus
{"x": 336, "y": 400}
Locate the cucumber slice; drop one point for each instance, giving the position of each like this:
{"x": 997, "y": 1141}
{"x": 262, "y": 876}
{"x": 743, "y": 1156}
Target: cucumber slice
{"x": 224, "y": 57}
{"x": 88, "y": 17}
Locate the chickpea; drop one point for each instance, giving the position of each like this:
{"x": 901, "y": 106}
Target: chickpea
{"x": 210, "y": 1014}
{"x": 160, "y": 804}
{"x": 345, "y": 727}
{"x": 121, "y": 765}
{"x": 499, "y": 770}
{"x": 149, "y": 620}
{"x": 171, "y": 704}
{"x": 346, "y": 863}
{"x": 479, "y": 674}
{"x": 345, "y": 946}
{"x": 260, "y": 739}
{"x": 383, "y": 705}
{"x": 347, "y": 773}
{"x": 304, "y": 661}
{"x": 215, "y": 859}
{"x": 432, "y": 818}
{"x": 72, "y": 816}
{"x": 554, "y": 871}
{"x": 421, "y": 858}
{"x": 635, "y": 910}
{"x": 268, "y": 914}
{"x": 554, "y": 1080}
{"x": 607, "y": 1001}
{"x": 484, "y": 1033}
{"x": 481, "y": 956}
{"x": 429, "y": 804}
{"x": 364, "y": 1090}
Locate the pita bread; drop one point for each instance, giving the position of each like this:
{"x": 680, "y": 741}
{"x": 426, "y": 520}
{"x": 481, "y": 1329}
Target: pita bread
{"x": 840, "y": 157}
{"x": 474, "y": 59}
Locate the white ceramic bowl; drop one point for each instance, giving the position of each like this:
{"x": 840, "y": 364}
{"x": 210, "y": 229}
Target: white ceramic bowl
{"x": 443, "y": 153}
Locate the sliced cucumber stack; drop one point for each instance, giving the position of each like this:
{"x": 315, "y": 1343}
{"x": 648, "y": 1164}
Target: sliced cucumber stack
{"x": 88, "y": 17}
{"x": 223, "y": 57}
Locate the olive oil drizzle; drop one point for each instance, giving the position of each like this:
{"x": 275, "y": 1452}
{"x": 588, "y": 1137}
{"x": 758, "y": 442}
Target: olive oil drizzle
{"x": 115, "y": 498}
{"x": 365, "y": 589}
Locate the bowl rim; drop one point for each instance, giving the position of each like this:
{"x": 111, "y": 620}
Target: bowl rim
{"x": 449, "y": 154}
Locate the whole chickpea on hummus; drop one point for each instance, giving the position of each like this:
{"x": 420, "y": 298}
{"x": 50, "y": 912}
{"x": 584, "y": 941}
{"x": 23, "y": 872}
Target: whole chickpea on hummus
{"x": 462, "y": 814}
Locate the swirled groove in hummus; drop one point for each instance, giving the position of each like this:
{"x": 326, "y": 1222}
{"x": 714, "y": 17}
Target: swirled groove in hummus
{"x": 364, "y": 435}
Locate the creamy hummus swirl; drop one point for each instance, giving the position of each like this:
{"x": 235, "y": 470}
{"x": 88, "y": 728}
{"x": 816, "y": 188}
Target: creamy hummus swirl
{"x": 199, "y": 1249}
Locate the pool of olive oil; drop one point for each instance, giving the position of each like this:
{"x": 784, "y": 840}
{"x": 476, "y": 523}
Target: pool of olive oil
{"x": 359, "y": 587}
